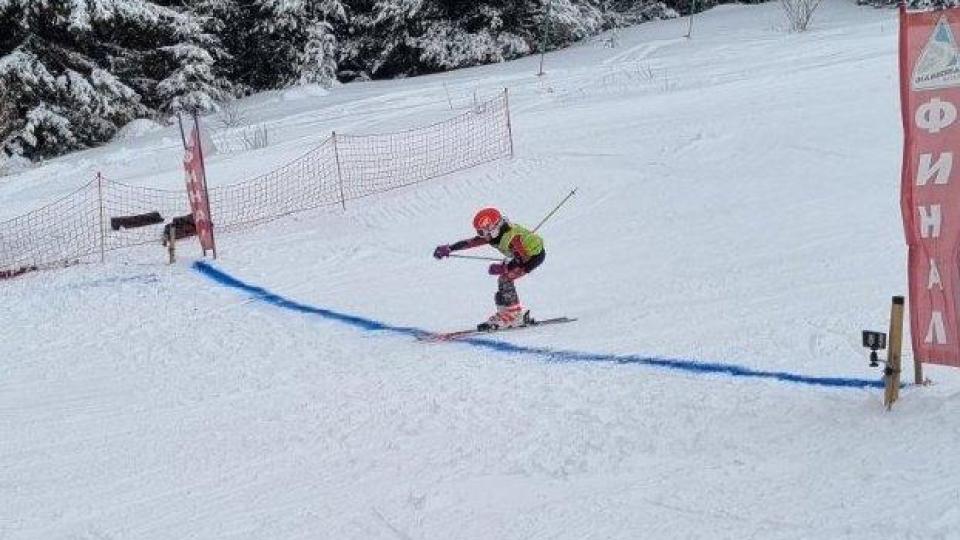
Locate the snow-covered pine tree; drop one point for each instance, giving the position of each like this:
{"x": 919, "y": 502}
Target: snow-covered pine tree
{"x": 270, "y": 44}
{"x": 77, "y": 70}
{"x": 619, "y": 13}
{"x": 72, "y": 71}
{"x": 298, "y": 39}
{"x": 557, "y": 23}
{"x": 223, "y": 28}
{"x": 247, "y": 59}
{"x": 467, "y": 35}
{"x": 390, "y": 38}
{"x": 317, "y": 62}
{"x": 381, "y": 33}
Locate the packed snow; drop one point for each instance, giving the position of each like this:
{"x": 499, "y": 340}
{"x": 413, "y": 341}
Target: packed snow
{"x": 738, "y": 207}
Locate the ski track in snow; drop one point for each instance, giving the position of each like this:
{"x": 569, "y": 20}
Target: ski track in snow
{"x": 641, "y": 51}
{"x": 370, "y": 325}
{"x": 738, "y": 200}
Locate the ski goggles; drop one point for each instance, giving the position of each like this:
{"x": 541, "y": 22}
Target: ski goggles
{"x": 489, "y": 231}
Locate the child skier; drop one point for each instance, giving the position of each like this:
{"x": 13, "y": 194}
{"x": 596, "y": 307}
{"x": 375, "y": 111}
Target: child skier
{"x": 524, "y": 251}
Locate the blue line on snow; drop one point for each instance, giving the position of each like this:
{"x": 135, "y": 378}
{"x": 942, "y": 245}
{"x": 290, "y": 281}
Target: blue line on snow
{"x": 370, "y": 325}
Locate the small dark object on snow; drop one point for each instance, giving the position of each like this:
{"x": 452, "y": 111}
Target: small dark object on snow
{"x": 132, "y": 222}
{"x": 184, "y": 226}
{"x": 14, "y": 272}
{"x": 874, "y": 341}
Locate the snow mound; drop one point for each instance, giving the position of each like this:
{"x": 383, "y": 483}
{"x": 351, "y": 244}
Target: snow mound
{"x": 305, "y": 91}
{"x": 13, "y": 165}
{"x": 136, "y": 129}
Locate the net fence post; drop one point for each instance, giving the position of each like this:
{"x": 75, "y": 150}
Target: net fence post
{"x": 336, "y": 155}
{"x": 103, "y": 256}
{"x": 506, "y": 101}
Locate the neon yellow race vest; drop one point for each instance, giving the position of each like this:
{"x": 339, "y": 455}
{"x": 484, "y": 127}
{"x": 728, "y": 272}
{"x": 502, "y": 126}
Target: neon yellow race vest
{"x": 532, "y": 243}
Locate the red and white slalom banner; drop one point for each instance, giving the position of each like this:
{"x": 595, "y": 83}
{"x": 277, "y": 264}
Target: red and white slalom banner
{"x": 930, "y": 180}
{"x": 197, "y": 188}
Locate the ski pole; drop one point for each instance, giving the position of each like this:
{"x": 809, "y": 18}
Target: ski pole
{"x": 554, "y": 211}
{"x": 544, "y": 220}
{"x": 474, "y": 257}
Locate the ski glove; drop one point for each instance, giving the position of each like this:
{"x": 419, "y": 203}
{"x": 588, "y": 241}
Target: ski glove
{"x": 497, "y": 269}
{"x": 441, "y": 252}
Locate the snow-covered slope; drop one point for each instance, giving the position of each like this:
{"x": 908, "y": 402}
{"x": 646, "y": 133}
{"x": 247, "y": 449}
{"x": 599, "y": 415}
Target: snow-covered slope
{"x": 736, "y": 225}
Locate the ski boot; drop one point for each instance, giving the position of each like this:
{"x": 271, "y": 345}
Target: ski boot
{"x": 506, "y": 317}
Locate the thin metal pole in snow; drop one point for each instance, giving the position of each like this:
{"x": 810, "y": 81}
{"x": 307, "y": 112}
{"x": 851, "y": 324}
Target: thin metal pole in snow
{"x": 336, "y": 154}
{"x": 103, "y": 256}
{"x": 544, "y": 36}
{"x": 183, "y": 136}
{"x": 506, "y": 100}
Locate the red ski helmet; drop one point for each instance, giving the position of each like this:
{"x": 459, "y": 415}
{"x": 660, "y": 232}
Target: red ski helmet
{"x": 488, "y": 221}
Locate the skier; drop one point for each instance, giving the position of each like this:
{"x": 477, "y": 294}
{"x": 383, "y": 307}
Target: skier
{"x": 524, "y": 251}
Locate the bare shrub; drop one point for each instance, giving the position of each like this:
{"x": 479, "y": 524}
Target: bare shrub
{"x": 231, "y": 115}
{"x": 644, "y": 73}
{"x": 622, "y": 79}
{"x": 234, "y": 132}
{"x": 255, "y": 137}
{"x": 241, "y": 139}
{"x": 799, "y": 13}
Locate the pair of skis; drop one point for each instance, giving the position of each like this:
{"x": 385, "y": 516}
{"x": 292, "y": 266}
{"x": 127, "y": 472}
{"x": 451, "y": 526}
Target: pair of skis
{"x": 460, "y": 334}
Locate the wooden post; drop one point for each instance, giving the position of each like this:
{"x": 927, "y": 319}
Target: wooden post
{"x": 336, "y": 153}
{"x": 172, "y": 244}
{"x": 892, "y": 371}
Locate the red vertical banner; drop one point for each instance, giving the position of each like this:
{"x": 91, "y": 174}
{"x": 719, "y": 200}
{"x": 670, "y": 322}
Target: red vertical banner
{"x": 197, "y": 188}
{"x": 930, "y": 179}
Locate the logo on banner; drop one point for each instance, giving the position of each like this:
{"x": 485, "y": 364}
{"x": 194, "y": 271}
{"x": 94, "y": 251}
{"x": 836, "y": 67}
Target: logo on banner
{"x": 939, "y": 64}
